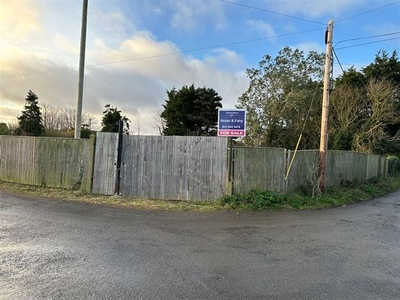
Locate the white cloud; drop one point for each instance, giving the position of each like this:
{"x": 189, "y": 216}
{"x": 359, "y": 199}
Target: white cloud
{"x": 20, "y": 20}
{"x": 265, "y": 29}
{"x": 189, "y": 15}
{"x": 137, "y": 87}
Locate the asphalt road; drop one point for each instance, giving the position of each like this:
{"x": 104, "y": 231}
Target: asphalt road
{"x": 53, "y": 249}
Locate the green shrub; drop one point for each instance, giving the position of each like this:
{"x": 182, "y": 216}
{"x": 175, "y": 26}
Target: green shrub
{"x": 4, "y": 129}
{"x": 333, "y": 196}
{"x": 394, "y": 166}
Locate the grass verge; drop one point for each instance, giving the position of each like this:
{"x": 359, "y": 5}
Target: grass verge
{"x": 338, "y": 196}
{"x": 66, "y": 194}
{"x": 255, "y": 200}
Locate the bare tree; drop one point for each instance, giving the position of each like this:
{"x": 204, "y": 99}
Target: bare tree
{"x": 67, "y": 118}
{"x": 55, "y": 118}
{"x": 382, "y": 111}
{"x": 137, "y": 128}
{"x": 13, "y": 125}
{"x": 159, "y": 122}
{"x": 50, "y": 116}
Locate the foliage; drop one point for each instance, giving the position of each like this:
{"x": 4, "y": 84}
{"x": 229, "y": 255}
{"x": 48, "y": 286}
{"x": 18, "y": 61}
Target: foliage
{"x": 394, "y": 166}
{"x": 191, "y": 111}
{"x": 345, "y": 195}
{"x": 4, "y": 129}
{"x": 279, "y": 96}
{"x": 257, "y": 200}
{"x": 365, "y": 108}
{"x": 111, "y": 118}
{"x": 30, "y": 122}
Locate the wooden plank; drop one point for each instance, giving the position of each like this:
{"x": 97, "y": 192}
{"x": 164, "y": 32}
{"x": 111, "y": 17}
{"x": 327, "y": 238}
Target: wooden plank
{"x": 104, "y": 170}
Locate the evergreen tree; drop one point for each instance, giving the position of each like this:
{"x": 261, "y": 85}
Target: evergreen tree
{"x": 191, "y": 111}
{"x": 30, "y": 122}
{"x": 111, "y": 117}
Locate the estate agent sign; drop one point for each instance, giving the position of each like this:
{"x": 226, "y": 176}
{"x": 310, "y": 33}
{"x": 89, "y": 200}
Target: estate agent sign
{"x": 232, "y": 122}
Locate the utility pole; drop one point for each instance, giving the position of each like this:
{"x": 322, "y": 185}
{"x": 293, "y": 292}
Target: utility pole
{"x": 78, "y": 119}
{"x": 325, "y": 106}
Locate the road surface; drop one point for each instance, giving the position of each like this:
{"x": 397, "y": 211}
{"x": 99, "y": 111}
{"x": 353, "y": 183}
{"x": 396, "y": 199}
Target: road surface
{"x": 54, "y": 249}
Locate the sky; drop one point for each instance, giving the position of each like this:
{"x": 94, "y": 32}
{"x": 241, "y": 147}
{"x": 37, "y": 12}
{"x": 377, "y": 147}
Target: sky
{"x": 136, "y": 50}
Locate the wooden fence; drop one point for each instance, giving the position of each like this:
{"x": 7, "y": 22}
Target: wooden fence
{"x": 259, "y": 168}
{"x": 159, "y": 167}
{"x": 265, "y": 168}
{"x": 182, "y": 168}
{"x": 52, "y": 162}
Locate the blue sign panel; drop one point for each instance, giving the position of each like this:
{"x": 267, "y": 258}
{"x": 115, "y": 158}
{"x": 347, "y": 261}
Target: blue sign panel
{"x": 232, "y": 122}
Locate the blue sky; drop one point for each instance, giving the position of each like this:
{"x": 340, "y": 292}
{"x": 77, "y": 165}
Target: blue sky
{"x": 214, "y": 42}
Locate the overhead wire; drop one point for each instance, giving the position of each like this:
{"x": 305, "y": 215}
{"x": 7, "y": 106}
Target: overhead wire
{"x": 166, "y": 54}
{"x": 367, "y": 37}
{"x": 235, "y": 43}
{"x": 334, "y": 52}
{"x": 272, "y": 12}
{"x": 357, "y": 45}
{"x": 368, "y": 11}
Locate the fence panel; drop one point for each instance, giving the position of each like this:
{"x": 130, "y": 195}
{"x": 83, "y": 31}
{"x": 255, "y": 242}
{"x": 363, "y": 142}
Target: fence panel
{"x": 259, "y": 168}
{"x": 373, "y": 166}
{"x": 43, "y": 161}
{"x": 304, "y": 170}
{"x": 180, "y": 168}
{"x": 64, "y": 163}
{"x": 17, "y": 159}
{"x": 105, "y": 160}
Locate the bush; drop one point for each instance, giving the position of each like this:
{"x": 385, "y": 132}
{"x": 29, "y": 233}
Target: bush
{"x": 85, "y": 133}
{"x": 4, "y": 129}
{"x": 333, "y": 196}
{"x": 394, "y": 166}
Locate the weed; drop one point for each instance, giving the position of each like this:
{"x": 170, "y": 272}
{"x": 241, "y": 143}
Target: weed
{"x": 254, "y": 200}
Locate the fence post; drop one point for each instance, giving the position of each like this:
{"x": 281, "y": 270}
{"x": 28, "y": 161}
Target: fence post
{"x": 288, "y": 156}
{"x": 119, "y": 158}
{"x": 229, "y": 183}
{"x": 92, "y": 149}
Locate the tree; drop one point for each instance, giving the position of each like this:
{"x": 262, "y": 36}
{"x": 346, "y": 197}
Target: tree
{"x": 374, "y": 136}
{"x": 111, "y": 118}
{"x": 191, "y": 111}
{"x": 159, "y": 122}
{"x": 383, "y": 137}
{"x": 279, "y": 97}
{"x": 4, "y": 129}
{"x": 30, "y": 122}
{"x": 347, "y": 109}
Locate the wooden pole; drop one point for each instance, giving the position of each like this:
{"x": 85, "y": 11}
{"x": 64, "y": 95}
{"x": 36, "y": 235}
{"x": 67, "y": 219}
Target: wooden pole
{"x": 325, "y": 106}
{"x": 78, "y": 120}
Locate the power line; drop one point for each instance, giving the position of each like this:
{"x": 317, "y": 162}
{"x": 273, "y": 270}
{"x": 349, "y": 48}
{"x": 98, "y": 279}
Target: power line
{"x": 348, "y": 64}
{"x": 334, "y": 52}
{"x": 368, "y": 11}
{"x": 368, "y": 37}
{"x": 368, "y": 43}
{"x": 273, "y": 12}
{"x": 167, "y": 54}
